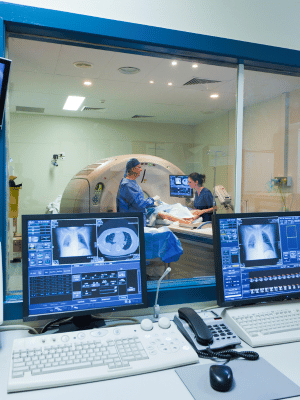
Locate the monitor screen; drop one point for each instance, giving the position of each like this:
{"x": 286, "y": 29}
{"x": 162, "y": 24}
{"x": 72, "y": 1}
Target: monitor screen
{"x": 4, "y": 76}
{"x": 257, "y": 257}
{"x": 82, "y": 264}
{"x": 179, "y": 186}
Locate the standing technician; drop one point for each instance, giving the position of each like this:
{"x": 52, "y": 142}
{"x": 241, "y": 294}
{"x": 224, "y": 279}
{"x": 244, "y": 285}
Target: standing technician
{"x": 203, "y": 203}
{"x": 130, "y": 197}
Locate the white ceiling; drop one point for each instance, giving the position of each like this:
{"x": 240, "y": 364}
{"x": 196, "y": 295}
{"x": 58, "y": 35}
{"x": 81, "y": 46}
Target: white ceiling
{"x": 43, "y": 76}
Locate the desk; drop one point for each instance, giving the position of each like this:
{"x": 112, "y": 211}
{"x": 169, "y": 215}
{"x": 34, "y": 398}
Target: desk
{"x": 163, "y": 385}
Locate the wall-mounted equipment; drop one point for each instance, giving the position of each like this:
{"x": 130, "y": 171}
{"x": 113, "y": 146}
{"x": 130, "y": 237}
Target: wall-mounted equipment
{"x": 57, "y": 157}
{"x": 282, "y": 181}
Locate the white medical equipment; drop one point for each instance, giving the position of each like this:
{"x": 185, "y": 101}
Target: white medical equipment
{"x": 223, "y": 196}
{"x": 95, "y": 187}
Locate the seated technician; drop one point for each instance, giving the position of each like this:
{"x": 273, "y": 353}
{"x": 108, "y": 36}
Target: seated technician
{"x": 130, "y": 197}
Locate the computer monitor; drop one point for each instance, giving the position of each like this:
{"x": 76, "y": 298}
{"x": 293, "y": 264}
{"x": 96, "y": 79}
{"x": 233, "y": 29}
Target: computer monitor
{"x": 179, "y": 186}
{"x": 257, "y": 257}
{"x": 76, "y": 265}
{"x": 1, "y": 287}
{"x": 4, "y": 77}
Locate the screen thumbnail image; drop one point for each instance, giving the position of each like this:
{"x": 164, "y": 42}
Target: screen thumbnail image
{"x": 117, "y": 239}
{"x": 259, "y": 242}
{"x": 74, "y": 241}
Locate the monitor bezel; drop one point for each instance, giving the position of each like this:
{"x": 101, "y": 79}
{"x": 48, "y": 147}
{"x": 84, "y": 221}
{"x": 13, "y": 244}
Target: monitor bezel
{"x": 218, "y": 260}
{"x": 180, "y": 196}
{"x": 88, "y": 312}
{"x": 4, "y": 87}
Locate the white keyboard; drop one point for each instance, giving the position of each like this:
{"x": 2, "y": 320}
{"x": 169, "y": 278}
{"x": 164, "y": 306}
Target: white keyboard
{"x": 60, "y": 359}
{"x": 265, "y": 324}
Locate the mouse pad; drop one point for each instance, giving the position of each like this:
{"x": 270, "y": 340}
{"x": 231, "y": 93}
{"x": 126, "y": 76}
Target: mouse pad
{"x": 253, "y": 380}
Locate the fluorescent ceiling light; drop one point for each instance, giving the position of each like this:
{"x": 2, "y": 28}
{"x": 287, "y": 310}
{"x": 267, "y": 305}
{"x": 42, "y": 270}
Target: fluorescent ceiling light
{"x": 73, "y": 103}
{"x": 195, "y": 66}
{"x": 87, "y": 83}
{"x": 214, "y": 96}
{"x": 174, "y": 62}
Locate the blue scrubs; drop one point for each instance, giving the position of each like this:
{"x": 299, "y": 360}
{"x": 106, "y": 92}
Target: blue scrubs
{"x": 130, "y": 198}
{"x": 203, "y": 202}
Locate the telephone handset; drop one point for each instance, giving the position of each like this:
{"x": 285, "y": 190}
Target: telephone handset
{"x": 212, "y": 332}
{"x": 202, "y": 334}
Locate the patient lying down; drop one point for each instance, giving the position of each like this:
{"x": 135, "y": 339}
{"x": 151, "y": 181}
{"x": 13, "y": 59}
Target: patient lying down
{"x": 173, "y": 213}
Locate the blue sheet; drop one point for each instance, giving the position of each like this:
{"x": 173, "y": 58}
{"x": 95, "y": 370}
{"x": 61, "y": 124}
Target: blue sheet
{"x": 162, "y": 243}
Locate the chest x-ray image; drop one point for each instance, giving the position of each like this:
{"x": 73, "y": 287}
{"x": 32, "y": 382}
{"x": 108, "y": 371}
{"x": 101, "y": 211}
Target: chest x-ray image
{"x": 117, "y": 240}
{"x": 74, "y": 241}
{"x": 259, "y": 244}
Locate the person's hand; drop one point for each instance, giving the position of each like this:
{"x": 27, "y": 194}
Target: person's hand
{"x": 155, "y": 198}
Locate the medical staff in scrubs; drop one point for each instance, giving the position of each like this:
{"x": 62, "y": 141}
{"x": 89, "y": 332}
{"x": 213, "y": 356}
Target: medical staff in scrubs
{"x": 203, "y": 202}
{"x": 130, "y": 197}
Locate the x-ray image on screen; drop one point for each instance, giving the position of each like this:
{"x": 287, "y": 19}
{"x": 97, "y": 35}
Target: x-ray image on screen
{"x": 117, "y": 239}
{"x": 259, "y": 244}
{"x": 74, "y": 241}
{"x": 74, "y": 244}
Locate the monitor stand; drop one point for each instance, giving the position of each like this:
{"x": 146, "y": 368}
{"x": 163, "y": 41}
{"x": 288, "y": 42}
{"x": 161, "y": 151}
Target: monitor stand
{"x": 81, "y": 323}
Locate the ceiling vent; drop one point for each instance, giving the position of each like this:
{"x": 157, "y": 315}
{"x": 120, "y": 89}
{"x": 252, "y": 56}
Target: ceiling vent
{"x": 82, "y": 64}
{"x": 199, "y": 81}
{"x": 129, "y": 70}
{"x": 30, "y": 109}
{"x": 92, "y": 109}
{"x": 143, "y": 116}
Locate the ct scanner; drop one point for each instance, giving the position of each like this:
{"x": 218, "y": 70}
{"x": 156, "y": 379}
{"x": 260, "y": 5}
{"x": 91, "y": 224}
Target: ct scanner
{"x": 94, "y": 188}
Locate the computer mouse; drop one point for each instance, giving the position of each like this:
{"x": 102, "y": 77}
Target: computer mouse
{"x": 220, "y": 377}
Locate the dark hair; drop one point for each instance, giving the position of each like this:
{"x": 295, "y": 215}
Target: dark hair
{"x": 133, "y": 162}
{"x": 197, "y": 177}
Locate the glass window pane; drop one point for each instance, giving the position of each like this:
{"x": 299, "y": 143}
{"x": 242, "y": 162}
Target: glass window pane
{"x": 183, "y": 112}
{"x": 270, "y": 142}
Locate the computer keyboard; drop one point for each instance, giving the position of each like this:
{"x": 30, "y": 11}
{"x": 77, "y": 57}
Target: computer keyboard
{"x": 52, "y": 360}
{"x": 265, "y": 324}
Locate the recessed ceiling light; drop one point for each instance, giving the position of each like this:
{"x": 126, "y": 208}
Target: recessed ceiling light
{"x": 82, "y": 64}
{"x": 151, "y": 81}
{"x": 73, "y": 103}
{"x": 170, "y": 83}
{"x": 195, "y": 66}
{"x": 87, "y": 83}
{"x": 129, "y": 70}
{"x": 174, "y": 62}
{"x": 214, "y": 96}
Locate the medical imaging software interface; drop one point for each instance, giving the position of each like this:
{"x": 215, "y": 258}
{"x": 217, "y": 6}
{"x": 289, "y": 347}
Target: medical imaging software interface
{"x": 83, "y": 264}
{"x": 260, "y": 256}
{"x": 179, "y": 186}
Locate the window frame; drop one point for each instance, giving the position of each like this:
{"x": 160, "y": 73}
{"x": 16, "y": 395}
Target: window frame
{"x": 51, "y": 25}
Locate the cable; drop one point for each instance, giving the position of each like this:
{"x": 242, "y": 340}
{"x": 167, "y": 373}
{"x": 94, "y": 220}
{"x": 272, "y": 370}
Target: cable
{"x": 45, "y": 328}
{"x": 16, "y": 327}
{"x": 228, "y": 354}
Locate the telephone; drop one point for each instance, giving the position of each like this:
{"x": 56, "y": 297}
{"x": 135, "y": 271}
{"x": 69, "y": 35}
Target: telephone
{"x": 211, "y": 332}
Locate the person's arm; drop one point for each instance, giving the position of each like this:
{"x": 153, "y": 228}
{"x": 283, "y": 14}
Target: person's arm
{"x": 169, "y": 217}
